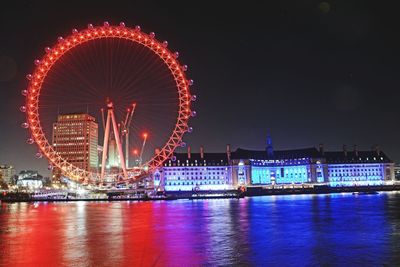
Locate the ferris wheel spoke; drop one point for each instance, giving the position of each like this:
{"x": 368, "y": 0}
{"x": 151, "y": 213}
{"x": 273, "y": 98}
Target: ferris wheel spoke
{"x": 70, "y": 79}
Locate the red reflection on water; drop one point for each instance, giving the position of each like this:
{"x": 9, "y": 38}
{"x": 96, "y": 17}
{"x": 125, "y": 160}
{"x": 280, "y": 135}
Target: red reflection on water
{"x": 29, "y": 235}
{"x": 99, "y": 234}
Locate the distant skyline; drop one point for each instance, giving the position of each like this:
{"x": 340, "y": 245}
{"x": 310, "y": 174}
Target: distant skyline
{"x": 305, "y": 72}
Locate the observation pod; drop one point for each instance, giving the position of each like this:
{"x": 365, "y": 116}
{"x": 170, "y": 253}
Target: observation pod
{"x": 30, "y": 141}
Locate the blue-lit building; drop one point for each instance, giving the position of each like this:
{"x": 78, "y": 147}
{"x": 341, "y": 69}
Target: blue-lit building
{"x": 308, "y": 166}
{"x": 347, "y": 168}
{"x": 196, "y": 172}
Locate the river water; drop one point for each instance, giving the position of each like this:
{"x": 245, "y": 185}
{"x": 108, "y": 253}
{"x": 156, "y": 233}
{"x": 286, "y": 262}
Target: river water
{"x": 305, "y": 230}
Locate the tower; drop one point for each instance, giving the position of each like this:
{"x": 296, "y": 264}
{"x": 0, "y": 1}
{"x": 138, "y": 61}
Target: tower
{"x": 75, "y": 139}
{"x": 270, "y": 149}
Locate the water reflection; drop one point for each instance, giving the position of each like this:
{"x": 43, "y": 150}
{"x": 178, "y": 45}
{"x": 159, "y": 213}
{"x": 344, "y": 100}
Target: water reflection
{"x": 340, "y": 229}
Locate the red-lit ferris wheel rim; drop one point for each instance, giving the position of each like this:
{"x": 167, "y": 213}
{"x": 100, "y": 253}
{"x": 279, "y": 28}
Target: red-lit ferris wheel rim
{"x": 92, "y": 33}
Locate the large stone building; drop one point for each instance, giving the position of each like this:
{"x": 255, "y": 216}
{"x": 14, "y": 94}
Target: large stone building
{"x": 6, "y": 173}
{"x": 196, "y": 171}
{"x": 230, "y": 170}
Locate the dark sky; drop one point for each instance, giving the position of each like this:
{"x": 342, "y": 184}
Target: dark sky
{"x": 307, "y": 72}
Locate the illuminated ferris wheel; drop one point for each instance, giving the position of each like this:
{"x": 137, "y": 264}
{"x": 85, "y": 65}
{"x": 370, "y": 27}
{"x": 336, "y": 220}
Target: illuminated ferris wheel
{"x": 136, "y": 73}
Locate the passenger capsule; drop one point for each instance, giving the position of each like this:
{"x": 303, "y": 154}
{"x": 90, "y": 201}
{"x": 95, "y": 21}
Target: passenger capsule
{"x": 60, "y": 39}
{"x": 29, "y": 77}
{"x": 22, "y": 109}
{"x": 190, "y": 82}
{"x": 122, "y": 24}
{"x": 30, "y": 141}
{"x": 25, "y": 125}
{"x": 37, "y": 62}
{"x": 183, "y": 144}
{"x": 173, "y": 158}
{"x": 190, "y": 129}
{"x": 194, "y": 97}
{"x": 176, "y": 54}
{"x": 165, "y": 43}
{"x": 184, "y": 67}
{"x": 152, "y": 35}
{"x": 193, "y": 113}
{"x": 74, "y": 31}
{"x": 106, "y": 24}
{"x": 24, "y": 92}
{"x": 90, "y": 26}
{"x": 137, "y": 28}
{"x": 39, "y": 155}
{"x": 47, "y": 49}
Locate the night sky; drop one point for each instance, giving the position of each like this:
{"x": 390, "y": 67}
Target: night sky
{"x": 306, "y": 72}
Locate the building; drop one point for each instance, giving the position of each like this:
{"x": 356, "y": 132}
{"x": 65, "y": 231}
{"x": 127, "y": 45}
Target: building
{"x": 75, "y": 139}
{"x": 298, "y": 166}
{"x": 397, "y": 172}
{"x": 196, "y": 171}
{"x": 113, "y": 161}
{"x": 30, "y": 179}
{"x": 6, "y": 173}
{"x": 348, "y": 168}
{"x": 309, "y": 166}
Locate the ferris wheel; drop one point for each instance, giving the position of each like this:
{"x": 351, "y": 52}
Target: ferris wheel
{"x": 143, "y": 75}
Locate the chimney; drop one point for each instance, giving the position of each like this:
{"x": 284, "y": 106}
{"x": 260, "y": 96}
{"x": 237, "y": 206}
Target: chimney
{"x": 228, "y": 151}
{"x": 345, "y": 150}
{"x": 378, "y": 150}
{"x": 189, "y": 152}
{"x": 201, "y": 152}
{"x": 355, "y": 150}
{"x": 321, "y": 149}
{"x": 270, "y": 148}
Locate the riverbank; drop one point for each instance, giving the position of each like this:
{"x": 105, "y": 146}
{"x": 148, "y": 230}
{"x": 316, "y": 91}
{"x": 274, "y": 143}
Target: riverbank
{"x": 265, "y": 191}
{"x": 250, "y": 192}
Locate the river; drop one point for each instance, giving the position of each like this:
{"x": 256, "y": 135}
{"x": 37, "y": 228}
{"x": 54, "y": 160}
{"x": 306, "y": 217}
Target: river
{"x": 302, "y": 230}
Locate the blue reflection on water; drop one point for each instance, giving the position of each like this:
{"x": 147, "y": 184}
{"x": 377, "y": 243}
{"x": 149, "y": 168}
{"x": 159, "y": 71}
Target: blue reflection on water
{"x": 329, "y": 229}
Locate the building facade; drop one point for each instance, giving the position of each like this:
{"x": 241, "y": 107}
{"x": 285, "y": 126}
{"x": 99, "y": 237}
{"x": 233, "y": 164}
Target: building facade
{"x": 347, "y": 168}
{"x": 75, "y": 138}
{"x": 195, "y": 172}
{"x": 312, "y": 166}
{"x": 7, "y": 172}
{"x": 30, "y": 179}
